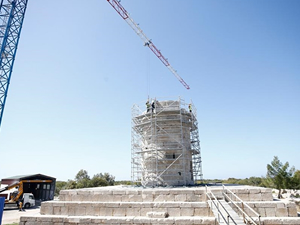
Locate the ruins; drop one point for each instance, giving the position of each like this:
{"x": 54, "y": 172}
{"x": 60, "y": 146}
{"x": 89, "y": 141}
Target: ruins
{"x": 166, "y": 172}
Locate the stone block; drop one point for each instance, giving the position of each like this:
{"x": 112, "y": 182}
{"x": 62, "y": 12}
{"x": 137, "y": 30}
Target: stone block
{"x": 265, "y": 204}
{"x": 107, "y": 211}
{"x": 111, "y": 205}
{"x": 167, "y": 221}
{"x": 186, "y": 212}
{"x": 281, "y": 212}
{"x": 141, "y": 220}
{"x": 90, "y": 210}
{"x": 180, "y": 198}
{"x": 199, "y": 191}
{"x": 147, "y": 197}
{"x": 46, "y": 209}
{"x": 270, "y": 212}
{"x": 254, "y": 191}
{"x": 280, "y": 205}
{"x": 261, "y": 211}
{"x": 144, "y": 211}
{"x": 173, "y": 212}
{"x": 64, "y": 210}
{"x": 124, "y": 198}
{"x": 56, "y": 203}
{"x": 133, "y": 212}
{"x": 31, "y": 223}
{"x": 135, "y": 198}
{"x": 117, "y": 198}
{"x": 159, "y": 198}
{"x": 244, "y": 196}
{"x": 56, "y": 210}
{"x": 157, "y": 214}
{"x": 292, "y": 211}
{"x": 131, "y": 192}
{"x": 198, "y": 204}
{"x": 255, "y": 197}
{"x": 184, "y": 220}
{"x": 119, "y": 212}
{"x": 202, "y": 212}
{"x": 119, "y": 192}
{"x": 71, "y": 210}
{"x": 185, "y": 204}
{"x": 169, "y": 198}
{"x": 271, "y": 221}
{"x": 80, "y": 211}
{"x": 106, "y": 198}
{"x": 290, "y": 221}
{"x": 266, "y": 196}
{"x": 192, "y": 198}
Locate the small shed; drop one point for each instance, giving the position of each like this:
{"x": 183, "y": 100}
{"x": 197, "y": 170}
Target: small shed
{"x": 41, "y": 190}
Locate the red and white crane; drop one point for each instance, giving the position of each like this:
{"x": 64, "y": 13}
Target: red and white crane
{"x": 147, "y": 42}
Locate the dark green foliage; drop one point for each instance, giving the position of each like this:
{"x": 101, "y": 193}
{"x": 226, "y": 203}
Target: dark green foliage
{"x": 124, "y": 182}
{"x": 102, "y": 180}
{"x": 82, "y": 175}
{"x": 60, "y": 185}
{"x": 296, "y": 180}
{"x": 83, "y": 180}
{"x": 279, "y": 176}
{"x": 71, "y": 184}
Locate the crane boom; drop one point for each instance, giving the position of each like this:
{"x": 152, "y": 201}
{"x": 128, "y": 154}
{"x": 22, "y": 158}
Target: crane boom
{"x": 147, "y": 42}
{"x": 11, "y": 20}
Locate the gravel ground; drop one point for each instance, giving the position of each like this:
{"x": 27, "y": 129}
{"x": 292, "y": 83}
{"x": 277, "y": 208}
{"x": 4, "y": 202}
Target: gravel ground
{"x": 12, "y": 215}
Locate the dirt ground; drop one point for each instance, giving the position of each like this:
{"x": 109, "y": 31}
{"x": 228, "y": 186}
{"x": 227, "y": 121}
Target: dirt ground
{"x": 12, "y": 214}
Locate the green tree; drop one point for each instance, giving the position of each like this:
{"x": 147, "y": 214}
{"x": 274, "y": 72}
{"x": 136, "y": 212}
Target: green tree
{"x": 82, "y": 179}
{"x": 296, "y": 180}
{"x": 100, "y": 179}
{"x": 82, "y": 174}
{"x": 278, "y": 175}
{"x": 71, "y": 184}
{"x": 60, "y": 185}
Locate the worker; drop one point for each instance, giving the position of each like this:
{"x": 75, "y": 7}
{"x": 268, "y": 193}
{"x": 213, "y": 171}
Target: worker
{"x": 190, "y": 108}
{"x": 20, "y": 206}
{"x": 153, "y": 106}
{"x": 148, "y": 106}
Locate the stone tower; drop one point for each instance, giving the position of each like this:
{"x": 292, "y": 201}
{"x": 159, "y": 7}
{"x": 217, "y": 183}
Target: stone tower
{"x": 165, "y": 144}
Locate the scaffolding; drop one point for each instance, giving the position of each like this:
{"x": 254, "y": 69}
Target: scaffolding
{"x": 165, "y": 146}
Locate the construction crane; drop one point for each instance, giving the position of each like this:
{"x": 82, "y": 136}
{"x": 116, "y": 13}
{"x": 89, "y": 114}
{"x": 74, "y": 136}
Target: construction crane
{"x": 147, "y": 42}
{"x": 12, "y": 14}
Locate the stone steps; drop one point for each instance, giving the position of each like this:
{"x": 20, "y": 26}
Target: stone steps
{"x": 93, "y": 220}
{"x": 124, "y": 205}
{"x": 225, "y": 211}
{"x": 173, "y": 209}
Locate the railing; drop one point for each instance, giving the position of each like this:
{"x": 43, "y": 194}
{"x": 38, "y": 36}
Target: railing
{"x": 247, "y": 219}
{"x": 218, "y": 208}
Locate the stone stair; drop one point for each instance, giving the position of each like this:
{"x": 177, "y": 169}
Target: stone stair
{"x": 135, "y": 205}
{"x": 224, "y": 210}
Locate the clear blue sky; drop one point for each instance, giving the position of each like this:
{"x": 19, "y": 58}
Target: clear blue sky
{"x": 80, "y": 68}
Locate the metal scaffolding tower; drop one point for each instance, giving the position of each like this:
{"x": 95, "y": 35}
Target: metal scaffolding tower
{"x": 11, "y": 20}
{"x": 165, "y": 146}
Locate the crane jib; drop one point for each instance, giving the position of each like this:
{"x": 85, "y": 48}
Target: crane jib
{"x": 147, "y": 42}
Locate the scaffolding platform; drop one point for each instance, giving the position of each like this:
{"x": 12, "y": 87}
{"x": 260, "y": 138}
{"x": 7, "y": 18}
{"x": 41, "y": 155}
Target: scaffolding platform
{"x": 165, "y": 146}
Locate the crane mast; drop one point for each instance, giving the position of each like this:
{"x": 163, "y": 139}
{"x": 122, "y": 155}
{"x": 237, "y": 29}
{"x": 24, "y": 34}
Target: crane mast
{"x": 12, "y": 14}
{"x": 147, "y": 42}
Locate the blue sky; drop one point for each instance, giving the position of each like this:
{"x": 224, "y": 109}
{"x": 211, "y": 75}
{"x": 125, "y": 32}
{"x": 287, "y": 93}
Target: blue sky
{"x": 80, "y": 68}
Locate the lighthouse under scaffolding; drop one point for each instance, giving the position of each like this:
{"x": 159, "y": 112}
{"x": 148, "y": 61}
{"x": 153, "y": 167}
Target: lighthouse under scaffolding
{"x": 165, "y": 146}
